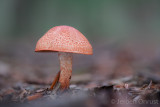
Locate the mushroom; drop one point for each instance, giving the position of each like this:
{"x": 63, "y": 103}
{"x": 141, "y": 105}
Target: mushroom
{"x": 65, "y": 40}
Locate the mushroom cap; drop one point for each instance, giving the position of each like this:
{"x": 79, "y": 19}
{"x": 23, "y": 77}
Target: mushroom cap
{"x": 64, "y": 39}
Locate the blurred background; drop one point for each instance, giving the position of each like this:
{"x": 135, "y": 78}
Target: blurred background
{"x": 125, "y": 36}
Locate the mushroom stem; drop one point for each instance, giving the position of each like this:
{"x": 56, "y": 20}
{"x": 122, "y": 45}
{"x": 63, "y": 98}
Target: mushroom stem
{"x": 65, "y": 60}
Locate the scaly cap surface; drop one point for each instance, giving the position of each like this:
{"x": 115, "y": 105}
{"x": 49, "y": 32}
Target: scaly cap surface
{"x": 64, "y": 39}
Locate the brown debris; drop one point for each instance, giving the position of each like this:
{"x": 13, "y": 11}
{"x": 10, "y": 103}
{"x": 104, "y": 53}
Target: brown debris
{"x": 34, "y": 97}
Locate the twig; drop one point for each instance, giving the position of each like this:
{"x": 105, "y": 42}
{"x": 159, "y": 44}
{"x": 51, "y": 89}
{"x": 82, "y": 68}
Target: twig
{"x": 34, "y": 97}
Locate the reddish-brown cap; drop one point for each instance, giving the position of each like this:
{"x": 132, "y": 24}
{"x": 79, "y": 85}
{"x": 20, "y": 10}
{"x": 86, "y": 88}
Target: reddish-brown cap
{"x": 64, "y": 39}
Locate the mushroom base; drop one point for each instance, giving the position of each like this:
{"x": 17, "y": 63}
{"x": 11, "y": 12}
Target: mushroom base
{"x": 65, "y": 60}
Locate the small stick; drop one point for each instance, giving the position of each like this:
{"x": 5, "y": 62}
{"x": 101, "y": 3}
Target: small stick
{"x": 34, "y": 97}
{"x": 55, "y": 81}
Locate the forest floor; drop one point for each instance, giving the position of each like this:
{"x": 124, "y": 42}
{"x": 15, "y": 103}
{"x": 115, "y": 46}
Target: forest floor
{"x": 123, "y": 76}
